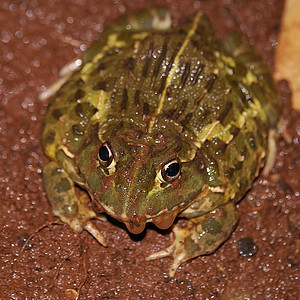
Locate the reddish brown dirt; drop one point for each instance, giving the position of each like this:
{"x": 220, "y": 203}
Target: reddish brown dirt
{"x": 37, "y": 38}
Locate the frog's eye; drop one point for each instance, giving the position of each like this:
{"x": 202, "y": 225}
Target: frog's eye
{"x": 170, "y": 171}
{"x": 105, "y": 155}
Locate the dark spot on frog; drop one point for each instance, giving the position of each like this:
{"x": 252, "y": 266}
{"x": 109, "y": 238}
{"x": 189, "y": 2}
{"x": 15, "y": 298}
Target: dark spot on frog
{"x": 50, "y": 136}
{"x": 169, "y": 114}
{"x": 180, "y": 31}
{"x": 117, "y": 128}
{"x": 174, "y": 53}
{"x": 101, "y": 67}
{"x": 147, "y": 61}
{"x": 229, "y": 172}
{"x": 244, "y": 152}
{"x": 137, "y": 98}
{"x": 85, "y": 110}
{"x": 129, "y": 63}
{"x": 246, "y": 247}
{"x": 161, "y": 57}
{"x": 146, "y": 109}
{"x": 79, "y": 110}
{"x": 197, "y": 73}
{"x": 78, "y": 129}
{"x": 57, "y": 113}
{"x": 179, "y": 144}
{"x": 199, "y": 163}
{"x": 262, "y": 138}
{"x": 205, "y": 113}
{"x": 185, "y": 75}
{"x": 140, "y": 133}
{"x": 219, "y": 146}
{"x": 252, "y": 142}
{"x": 163, "y": 84}
{"x": 124, "y": 100}
{"x": 80, "y": 82}
{"x": 181, "y": 109}
{"x": 195, "y": 43}
{"x": 225, "y": 112}
{"x": 238, "y": 165}
{"x": 102, "y": 85}
{"x": 164, "y": 184}
{"x": 62, "y": 186}
{"x": 212, "y": 226}
{"x": 210, "y": 82}
{"x": 79, "y": 94}
{"x": 186, "y": 119}
{"x": 234, "y": 130}
{"x": 246, "y": 99}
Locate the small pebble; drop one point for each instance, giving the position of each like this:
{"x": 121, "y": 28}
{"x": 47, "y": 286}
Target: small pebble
{"x": 246, "y": 247}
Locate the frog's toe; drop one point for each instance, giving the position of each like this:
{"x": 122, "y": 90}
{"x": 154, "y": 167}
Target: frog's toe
{"x": 92, "y": 229}
{"x": 160, "y": 254}
{"x": 177, "y": 250}
{"x": 178, "y": 253}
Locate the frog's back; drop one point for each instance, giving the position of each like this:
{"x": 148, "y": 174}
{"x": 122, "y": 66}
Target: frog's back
{"x": 135, "y": 75}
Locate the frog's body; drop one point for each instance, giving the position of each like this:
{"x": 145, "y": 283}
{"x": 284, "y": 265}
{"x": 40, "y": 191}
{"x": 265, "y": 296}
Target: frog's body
{"x": 158, "y": 123}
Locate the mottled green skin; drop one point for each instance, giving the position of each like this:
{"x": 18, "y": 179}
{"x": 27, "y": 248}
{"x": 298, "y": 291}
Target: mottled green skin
{"x": 153, "y": 96}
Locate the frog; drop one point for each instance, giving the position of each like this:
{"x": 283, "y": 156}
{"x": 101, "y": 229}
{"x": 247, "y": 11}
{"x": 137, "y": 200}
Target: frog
{"x": 156, "y": 123}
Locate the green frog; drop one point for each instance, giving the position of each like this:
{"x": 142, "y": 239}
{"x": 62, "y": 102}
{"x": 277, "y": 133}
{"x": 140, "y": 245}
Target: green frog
{"x": 158, "y": 123}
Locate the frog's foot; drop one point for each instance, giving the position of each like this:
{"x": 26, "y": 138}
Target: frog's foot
{"x": 176, "y": 249}
{"x": 70, "y": 208}
{"x": 202, "y": 235}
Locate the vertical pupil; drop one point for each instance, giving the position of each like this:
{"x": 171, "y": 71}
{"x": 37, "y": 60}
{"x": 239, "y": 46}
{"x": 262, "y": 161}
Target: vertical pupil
{"x": 172, "y": 169}
{"x": 104, "y": 153}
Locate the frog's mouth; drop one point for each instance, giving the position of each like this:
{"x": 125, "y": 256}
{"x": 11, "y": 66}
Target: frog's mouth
{"x": 136, "y": 224}
{"x": 163, "y": 221}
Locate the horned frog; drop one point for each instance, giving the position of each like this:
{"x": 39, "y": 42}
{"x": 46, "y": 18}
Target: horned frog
{"x": 158, "y": 122}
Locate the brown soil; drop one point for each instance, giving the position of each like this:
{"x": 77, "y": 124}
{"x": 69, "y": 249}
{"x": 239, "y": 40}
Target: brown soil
{"x": 37, "y": 38}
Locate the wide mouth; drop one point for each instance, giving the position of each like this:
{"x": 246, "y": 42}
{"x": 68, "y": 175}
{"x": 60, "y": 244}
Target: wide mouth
{"x": 135, "y": 222}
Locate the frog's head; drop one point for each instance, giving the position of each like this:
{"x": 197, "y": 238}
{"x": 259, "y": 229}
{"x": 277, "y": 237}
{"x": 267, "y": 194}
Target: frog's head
{"x": 138, "y": 178}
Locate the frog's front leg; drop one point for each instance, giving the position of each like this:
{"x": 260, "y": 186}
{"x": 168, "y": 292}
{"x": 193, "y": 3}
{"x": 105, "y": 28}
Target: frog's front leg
{"x": 70, "y": 208}
{"x": 202, "y": 235}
